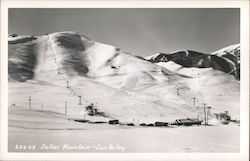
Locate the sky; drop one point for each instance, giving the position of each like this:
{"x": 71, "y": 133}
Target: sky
{"x": 141, "y": 31}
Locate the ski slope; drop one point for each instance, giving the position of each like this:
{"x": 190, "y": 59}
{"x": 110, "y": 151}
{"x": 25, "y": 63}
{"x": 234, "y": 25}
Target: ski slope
{"x": 120, "y": 84}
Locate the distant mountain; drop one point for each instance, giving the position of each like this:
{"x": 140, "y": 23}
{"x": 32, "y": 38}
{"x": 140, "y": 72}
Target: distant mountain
{"x": 231, "y": 53}
{"x": 186, "y": 58}
{"x": 226, "y": 59}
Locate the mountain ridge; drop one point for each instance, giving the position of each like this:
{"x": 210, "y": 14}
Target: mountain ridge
{"x": 123, "y": 85}
{"x": 221, "y": 60}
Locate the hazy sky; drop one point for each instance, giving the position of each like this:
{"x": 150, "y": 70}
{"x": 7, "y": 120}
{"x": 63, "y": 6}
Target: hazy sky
{"x": 140, "y": 31}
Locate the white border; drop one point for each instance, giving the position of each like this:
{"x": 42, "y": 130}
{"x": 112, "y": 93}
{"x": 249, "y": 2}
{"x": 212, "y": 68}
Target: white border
{"x": 244, "y": 129}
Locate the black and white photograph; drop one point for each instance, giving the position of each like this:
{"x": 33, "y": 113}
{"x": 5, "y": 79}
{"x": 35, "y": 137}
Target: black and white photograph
{"x": 124, "y": 80}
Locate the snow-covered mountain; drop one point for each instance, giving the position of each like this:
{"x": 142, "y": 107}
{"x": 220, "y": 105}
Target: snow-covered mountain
{"x": 226, "y": 60}
{"x": 120, "y": 84}
{"x": 75, "y": 55}
{"x": 231, "y": 53}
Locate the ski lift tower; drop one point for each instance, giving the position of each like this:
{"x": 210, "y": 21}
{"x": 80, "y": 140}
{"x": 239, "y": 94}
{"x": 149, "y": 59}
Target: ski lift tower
{"x": 80, "y": 100}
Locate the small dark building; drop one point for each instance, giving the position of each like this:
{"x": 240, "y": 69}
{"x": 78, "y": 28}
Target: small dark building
{"x": 150, "y": 125}
{"x": 188, "y": 122}
{"x": 80, "y": 120}
{"x": 160, "y": 124}
{"x": 99, "y": 122}
{"x": 143, "y": 124}
{"x": 113, "y": 122}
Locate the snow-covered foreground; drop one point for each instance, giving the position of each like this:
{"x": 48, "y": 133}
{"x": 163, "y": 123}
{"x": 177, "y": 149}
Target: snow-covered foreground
{"x": 51, "y": 132}
{"x": 186, "y": 139}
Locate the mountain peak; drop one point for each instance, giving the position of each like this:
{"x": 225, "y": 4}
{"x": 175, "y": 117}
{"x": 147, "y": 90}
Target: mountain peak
{"x": 226, "y": 59}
